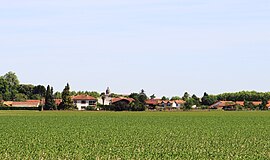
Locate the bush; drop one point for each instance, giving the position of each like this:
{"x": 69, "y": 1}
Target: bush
{"x": 90, "y": 108}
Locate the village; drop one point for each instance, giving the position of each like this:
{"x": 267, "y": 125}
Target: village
{"x": 16, "y": 96}
{"x": 85, "y": 102}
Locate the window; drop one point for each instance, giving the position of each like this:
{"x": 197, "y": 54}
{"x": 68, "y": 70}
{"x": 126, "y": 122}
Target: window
{"x": 92, "y": 102}
{"x": 83, "y": 102}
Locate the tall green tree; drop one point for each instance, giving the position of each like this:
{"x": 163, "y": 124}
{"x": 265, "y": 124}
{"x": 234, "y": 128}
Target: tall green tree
{"x": 208, "y": 100}
{"x": 152, "y": 96}
{"x": 66, "y": 103}
{"x": 103, "y": 97}
{"x": 57, "y": 95}
{"x": 8, "y": 86}
{"x": 142, "y": 97}
{"x": 189, "y": 103}
{"x": 186, "y": 96}
{"x": 39, "y": 90}
{"x": 49, "y": 99}
{"x": 26, "y": 89}
{"x": 196, "y": 100}
{"x": 20, "y": 97}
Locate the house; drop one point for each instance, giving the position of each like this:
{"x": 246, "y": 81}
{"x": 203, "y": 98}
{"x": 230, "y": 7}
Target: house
{"x": 83, "y": 101}
{"x": 171, "y": 104}
{"x": 151, "y": 103}
{"x": 229, "y": 105}
{"x": 27, "y": 103}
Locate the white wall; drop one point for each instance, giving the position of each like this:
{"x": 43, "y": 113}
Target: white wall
{"x": 81, "y": 106}
{"x": 107, "y": 100}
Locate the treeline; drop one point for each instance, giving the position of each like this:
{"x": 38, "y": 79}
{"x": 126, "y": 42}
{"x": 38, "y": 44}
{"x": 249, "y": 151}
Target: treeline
{"x": 207, "y": 100}
{"x": 244, "y": 96}
{"x": 12, "y": 90}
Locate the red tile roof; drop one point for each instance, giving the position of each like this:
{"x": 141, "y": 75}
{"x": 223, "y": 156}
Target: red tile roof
{"x": 221, "y": 104}
{"x": 172, "y": 101}
{"x": 25, "y": 104}
{"x": 57, "y": 101}
{"x": 256, "y": 103}
{"x": 83, "y": 97}
{"x": 119, "y": 99}
{"x": 242, "y": 103}
{"x": 151, "y": 101}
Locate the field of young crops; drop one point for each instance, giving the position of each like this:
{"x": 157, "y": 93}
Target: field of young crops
{"x": 131, "y": 135}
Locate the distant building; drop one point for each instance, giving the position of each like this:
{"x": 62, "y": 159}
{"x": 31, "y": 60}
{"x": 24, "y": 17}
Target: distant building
{"x": 127, "y": 101}
{"x": 105, "y": 99}
{"x": 28, "y": 103}
{"x": 83, "y": 101}
{"x": 153, "y": 103}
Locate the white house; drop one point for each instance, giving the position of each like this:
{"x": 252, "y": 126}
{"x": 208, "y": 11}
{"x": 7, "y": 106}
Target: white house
{"x": 83, "y": 101}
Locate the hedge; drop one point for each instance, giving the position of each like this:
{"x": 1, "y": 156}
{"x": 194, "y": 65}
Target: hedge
{"x": 20, "y": 108}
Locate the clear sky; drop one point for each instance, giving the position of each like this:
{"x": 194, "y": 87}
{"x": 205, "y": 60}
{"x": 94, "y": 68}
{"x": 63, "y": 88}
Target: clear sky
{"x": 166, "y": 47}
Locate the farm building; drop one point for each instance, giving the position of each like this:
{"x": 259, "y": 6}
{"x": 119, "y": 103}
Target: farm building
{"x": 29, "y": 103}
{"x": 223, "y": 105}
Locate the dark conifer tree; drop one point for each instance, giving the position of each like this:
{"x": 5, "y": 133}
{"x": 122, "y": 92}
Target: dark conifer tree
{"x": 66, "y": 99}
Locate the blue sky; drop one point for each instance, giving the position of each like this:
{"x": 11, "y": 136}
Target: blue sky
{"x": 165, "y": 47}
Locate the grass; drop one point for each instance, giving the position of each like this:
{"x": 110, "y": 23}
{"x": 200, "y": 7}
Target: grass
{"x": 134, "y": 135}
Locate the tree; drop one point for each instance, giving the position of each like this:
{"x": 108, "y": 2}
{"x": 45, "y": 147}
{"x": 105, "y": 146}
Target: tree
{"x": 20, "y": 97}
{"x": 4, "y": 90}
{"x": 196, "y": 100}
{"x": 189, "y": 103}
{"x": 66, "y": 99}
{"x": 57, "y": 95}
{"x": 142, "y": 97}
{"x": 26, "y": 89}
{"x": 135, "y": 96}
{"x": 152, "y": 96}
{"x": 39, "y": 90}
{"x": 208, "y": 99}
{"x": 49, "y": 99}
{"x": 263, "y": 105}
{"x": 248, "y": 105}
{"x": 103, "y": 97}
{"x": 175, "y": 98}
{"x": 93, "y": 94}
{"x": 164, "y": 98}
{"x": 113, "y": 95}
{"x": 186, "y": 96}
{"x": 8, "y": 86}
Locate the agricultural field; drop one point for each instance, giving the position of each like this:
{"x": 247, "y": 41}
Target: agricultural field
{"x": 134, "y": 135}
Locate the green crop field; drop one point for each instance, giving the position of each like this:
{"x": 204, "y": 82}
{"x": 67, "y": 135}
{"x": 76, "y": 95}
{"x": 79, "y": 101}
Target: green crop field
{"x": 134, "y": 135}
